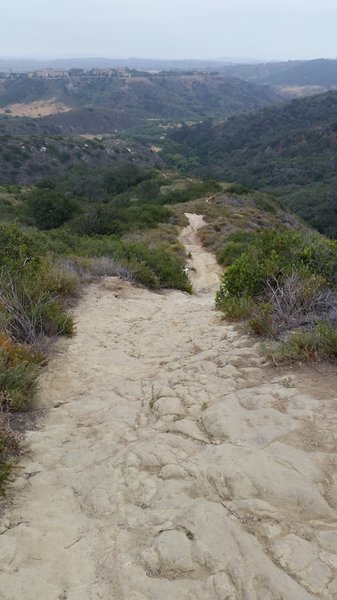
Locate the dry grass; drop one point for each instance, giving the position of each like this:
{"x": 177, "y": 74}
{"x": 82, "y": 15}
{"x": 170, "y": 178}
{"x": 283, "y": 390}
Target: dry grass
{"x": 39, "y": 108}
{"x": 9, "y": 449}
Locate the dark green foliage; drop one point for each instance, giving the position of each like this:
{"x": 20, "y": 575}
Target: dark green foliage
{"x": 102, "y": 105}
{"x": 48, "y": 209}
{"x": 166, "y": 267}
{"x": 236, "y": 244}
{"x": 276, "y": 253}
{"x": 281, "y": 280}
{"x": 18, "y": 250}
{"x": 149, "y": 190}
{"x": 289, "y": 149}
{"x": 125, "y": 178}
{"x": 192, "y": 191}
{"x": 26, "y": 160}
{"x": 22, "y": 90}
{"x": 237, "y": 188}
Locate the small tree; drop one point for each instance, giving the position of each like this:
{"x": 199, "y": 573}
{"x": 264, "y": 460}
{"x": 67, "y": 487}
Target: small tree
{"x": 48, "y": 209}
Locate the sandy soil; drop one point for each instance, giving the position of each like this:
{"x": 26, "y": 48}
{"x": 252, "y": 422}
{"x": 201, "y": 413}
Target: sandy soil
{"x": 40, "y": 108}
{"x": 171, "y": 462}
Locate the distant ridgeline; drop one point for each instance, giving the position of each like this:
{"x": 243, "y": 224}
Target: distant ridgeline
{"x": 319, "y": 72}
{"x": 289, "y": 150}
{"x": 104, "y": 103}
{"x": 142, "y": 95}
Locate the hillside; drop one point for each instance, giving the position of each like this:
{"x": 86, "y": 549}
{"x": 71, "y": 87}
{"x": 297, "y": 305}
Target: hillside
{"x": 290, "y": 150}
{"x": 26, "y": 160}
{"x": 88, "y": 120}
{"x": 169, "y": 96}
{"x": 298, "y": 73}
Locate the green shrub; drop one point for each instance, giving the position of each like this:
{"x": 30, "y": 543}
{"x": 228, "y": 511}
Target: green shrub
{"x": 19, "y": 370}
{"x": 319, "y": 344}
{"x": 191, "y": 191}
{"x": 237, "y": 188}
{"x": 47, "y": 209}
{"x": 57, "y": 278}
{"x": 18, "y": 250}
{"x": 235, "y": 309}
{"x": 275, "y": 254}
{"x": 9, "y": 448}
{"x": 143, "y": 274}
{"x": 52, "y": 320}
{"x": 30, "y": 309}
{"x": 281, "y": 280}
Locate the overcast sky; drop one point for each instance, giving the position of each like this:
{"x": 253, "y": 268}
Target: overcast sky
{"x": 262, "y": 29}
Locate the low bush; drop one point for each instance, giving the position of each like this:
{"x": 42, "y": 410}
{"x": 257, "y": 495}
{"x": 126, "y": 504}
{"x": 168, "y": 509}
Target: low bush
{"x": 19, "y": 370}
{"x": 30, "y": 310}
{"x": 235, "y": 245}
{"x": 58, "y": 278}
{"x": 237, "y": 188}
{"x": 9, "y": 449}
{"x": 260, "y": 320}
{"x": 18, "y": 250}
{"x": 48, "y": 209}
{"x": 191, "y": 191}
{"x": 280, "y": 281}
{"x": 318, "y": 344}
{"x": 235, "y": 309}
{"x": 155, "y": 267}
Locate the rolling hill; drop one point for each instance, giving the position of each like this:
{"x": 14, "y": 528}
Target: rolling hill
{"x": 319, "y": 72}
{"x": 290, "y": 150}
{"x": 28, "y": 160}
{"x": 169, "y": 96}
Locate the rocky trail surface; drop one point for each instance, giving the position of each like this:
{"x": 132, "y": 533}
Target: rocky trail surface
{"x": 171, "y": 463}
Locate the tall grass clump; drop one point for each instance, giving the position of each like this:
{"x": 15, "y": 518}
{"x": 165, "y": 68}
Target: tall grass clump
{"x": 32, "y": 288}
{"x": 9, "y": 450}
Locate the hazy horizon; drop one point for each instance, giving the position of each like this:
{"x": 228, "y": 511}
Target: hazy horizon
{"x": 180, "y": 30}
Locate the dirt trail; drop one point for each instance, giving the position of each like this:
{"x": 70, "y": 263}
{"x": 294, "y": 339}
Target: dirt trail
{"x": 170, "y": 463}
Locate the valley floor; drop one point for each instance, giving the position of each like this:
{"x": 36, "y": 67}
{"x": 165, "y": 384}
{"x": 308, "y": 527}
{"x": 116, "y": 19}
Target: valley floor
{"x": 170, "y": 462}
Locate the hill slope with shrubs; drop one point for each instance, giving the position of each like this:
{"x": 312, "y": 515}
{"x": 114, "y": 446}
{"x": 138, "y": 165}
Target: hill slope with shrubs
{"x": 26, "y": 160}
{"x": 290, "y": 150}
{"x": 143, "y": 96}
{"x": 295, "y": 73}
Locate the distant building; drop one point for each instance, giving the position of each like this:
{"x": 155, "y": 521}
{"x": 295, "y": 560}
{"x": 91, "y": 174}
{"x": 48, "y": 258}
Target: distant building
{"x": 102, "y": 72}
{"x": 48, "y": 74}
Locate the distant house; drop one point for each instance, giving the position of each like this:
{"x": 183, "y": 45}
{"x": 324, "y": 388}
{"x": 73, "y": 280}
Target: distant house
{"x": 48, "y": 74}
{"x": 102, "y": 72}
{"x": 12, "y": 75}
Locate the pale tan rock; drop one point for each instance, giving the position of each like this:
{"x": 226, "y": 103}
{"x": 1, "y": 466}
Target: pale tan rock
{"x": 301, "y": 558}
{"x": 171, "y": 551}
{"x": 168, "y": 406}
